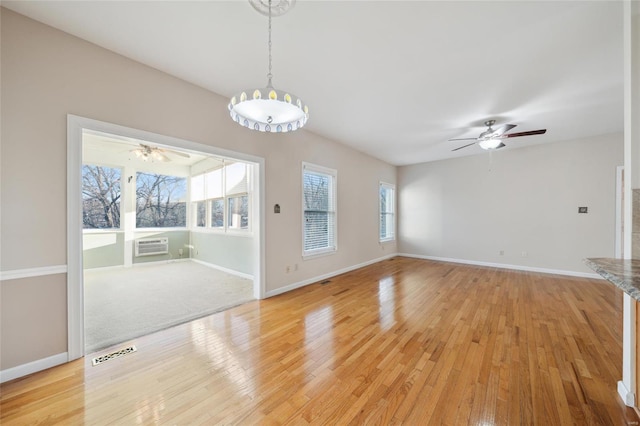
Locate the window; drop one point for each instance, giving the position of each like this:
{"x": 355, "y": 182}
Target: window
{"x": 160, "y": 201}
{"x": 199, "y": 205}
{"x": 217, "y": 213}
{"x": 100, "y": 197}
{"x": 239, "y": 212}
{"x": 219, "y": 191}
{"x": 387, "y": 212}
{"x": 319, "y": 209}
{"x": 201, "y": 214}
{"x": 236, "y": 179}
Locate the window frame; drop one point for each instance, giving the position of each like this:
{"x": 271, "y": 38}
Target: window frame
{"x": 333, "y": 193}
{"x": 392, "y": 188}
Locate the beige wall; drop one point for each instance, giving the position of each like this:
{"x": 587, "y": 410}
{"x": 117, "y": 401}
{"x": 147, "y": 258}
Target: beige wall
{"x": 34, "y": 319}
{"x": 47, "y": 74}
{"x": 521, "y": 200}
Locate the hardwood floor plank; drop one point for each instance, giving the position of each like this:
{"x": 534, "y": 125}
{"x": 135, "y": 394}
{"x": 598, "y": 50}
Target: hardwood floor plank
{"x": 403, "y": 341}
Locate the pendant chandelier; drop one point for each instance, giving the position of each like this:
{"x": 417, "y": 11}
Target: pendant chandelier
{"x": 268, "y": 109}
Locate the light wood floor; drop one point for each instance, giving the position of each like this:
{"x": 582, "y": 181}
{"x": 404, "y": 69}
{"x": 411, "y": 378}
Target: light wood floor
{"x": 402, "y": 341}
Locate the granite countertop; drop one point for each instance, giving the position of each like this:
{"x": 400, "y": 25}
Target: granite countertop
{"x": 623, "y": 273}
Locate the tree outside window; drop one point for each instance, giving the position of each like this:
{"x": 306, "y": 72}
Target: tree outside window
{"x": 100, "y": 197}
{"x": 160, "y": 201}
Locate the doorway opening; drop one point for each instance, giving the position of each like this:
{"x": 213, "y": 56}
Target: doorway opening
{"x": 161, "y": 231}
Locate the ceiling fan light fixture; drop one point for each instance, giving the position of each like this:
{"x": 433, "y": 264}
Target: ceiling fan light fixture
{"x": 142, "y": 154}
{"x": 490, "y": 143}
{"x": 268, "y": 109}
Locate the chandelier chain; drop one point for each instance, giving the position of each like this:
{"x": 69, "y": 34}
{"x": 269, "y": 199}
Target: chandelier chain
{"x": 269, "y": 75}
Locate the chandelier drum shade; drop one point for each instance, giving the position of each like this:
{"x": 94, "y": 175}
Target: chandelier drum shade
{"x": 268, "y": 109}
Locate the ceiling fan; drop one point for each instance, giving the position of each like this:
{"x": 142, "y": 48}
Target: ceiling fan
{"x": 492, "y": 138}
{"x": 147, "y": 152}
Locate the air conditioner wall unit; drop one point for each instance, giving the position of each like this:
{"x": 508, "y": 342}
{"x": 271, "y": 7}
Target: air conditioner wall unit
{"x": 151, "y": 246}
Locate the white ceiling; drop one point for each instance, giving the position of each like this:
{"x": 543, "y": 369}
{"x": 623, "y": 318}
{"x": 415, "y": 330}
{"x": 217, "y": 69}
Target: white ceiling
{"x": 103, "y": 148}
{"x": 394, "y": 79}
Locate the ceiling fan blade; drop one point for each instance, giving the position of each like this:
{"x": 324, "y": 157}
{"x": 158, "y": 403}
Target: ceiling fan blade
{"x": 464, "y": 139}
{"x": 530, "y": 133}
{"x": 500, "y": 146}
{"x": 502, "y": 129}
{"x": 464, "y": 146}
{"x": 160, "y": 156}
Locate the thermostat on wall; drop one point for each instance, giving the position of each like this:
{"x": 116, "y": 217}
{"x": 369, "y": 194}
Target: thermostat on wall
{"x": 583, "y": 209}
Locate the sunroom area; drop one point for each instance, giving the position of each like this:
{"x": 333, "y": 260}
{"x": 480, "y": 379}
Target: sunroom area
{"x": 167, "y": 236}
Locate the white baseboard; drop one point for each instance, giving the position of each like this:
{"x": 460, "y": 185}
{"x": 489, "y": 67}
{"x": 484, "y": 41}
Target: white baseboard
{"x": 105, "y": 268}
{"x": 627, "y": 396}
{"x": 325, "y": 276}
{"x": 164, "y": 261}
{"x": 32, "y": 272}
{"x": 33, "y": 367}
{"x": 223, "y": 269}
{"x": 506, "y": 266}
{"x": 136, "y": 265}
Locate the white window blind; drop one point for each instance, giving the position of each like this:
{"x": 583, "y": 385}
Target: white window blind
{"x": 214, "y": 184}
{"x": 236, "y": 178}
{"x": 319, "y": 209}
{"x": 387, "y": 212}
{"x": 197, "y": 188}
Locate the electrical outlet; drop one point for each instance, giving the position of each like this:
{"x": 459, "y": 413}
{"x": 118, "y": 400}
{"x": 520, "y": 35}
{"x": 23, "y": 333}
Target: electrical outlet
{"x": 501, "y": 252}
{"x": 180, "y": 252}
{"x": 525, "y": 254}
{"x": 288, "y": 269}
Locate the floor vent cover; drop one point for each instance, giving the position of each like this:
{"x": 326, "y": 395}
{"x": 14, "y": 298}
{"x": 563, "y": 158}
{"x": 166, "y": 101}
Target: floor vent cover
{"x": 113, "y": 355}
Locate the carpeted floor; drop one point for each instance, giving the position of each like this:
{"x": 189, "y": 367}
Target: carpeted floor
{"x": 121, "y": 304}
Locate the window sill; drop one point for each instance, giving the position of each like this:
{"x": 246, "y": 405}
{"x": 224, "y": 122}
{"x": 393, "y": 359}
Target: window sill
{"x": 173, "y": 229}
{"x": 222, "y": 232}
{"x": 101, "y": 231}
{"x": 320, "y": 253}
{"x": 388, "y": 240}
